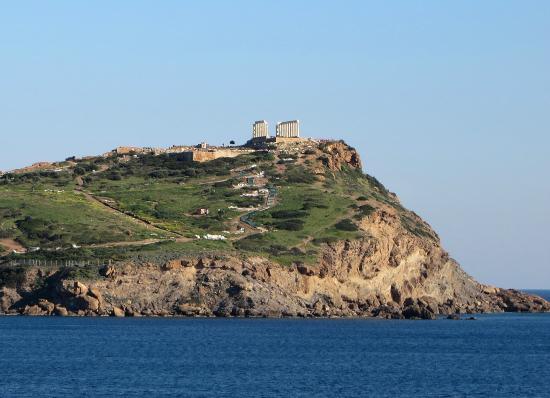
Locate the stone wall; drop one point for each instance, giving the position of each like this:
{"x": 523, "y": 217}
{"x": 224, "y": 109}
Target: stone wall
{"x": 205, "y": 156}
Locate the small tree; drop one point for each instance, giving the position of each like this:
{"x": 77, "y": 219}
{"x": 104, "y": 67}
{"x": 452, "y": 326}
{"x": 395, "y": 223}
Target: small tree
{"x": 79, "y": 171}
{"x": 346, "y": 225}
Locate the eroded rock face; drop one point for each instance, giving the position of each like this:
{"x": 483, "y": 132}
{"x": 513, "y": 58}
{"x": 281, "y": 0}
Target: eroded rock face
{"x": 398, "y": 271}
{"x": 337, "y": 154}
{"x": 8, "y": 298}
{"x": 415, "y": 281}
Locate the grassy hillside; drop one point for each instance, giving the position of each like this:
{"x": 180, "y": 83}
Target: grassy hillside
{"x": 283, "y": 204}
{"x": 59, "y": 218}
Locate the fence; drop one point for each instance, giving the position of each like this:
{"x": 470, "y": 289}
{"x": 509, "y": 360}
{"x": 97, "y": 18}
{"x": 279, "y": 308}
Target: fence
{"x": 56, "y": 263}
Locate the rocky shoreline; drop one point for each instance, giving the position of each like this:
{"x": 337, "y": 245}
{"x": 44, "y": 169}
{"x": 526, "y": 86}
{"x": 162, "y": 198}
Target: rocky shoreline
{"x": 230, "y": 287}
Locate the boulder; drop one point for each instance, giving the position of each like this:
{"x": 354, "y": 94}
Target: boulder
{"x": 8, "y": 297}
{"x": 490, "y": 289}
{"x": 416, "y": 311}
{"x": 118, "y": 312}
{"x": 238, "y": 311}
{"x": 46, "y": 306}
{"x": 79, "y": 288}
{"x": 129, "y": 312}
{"x": 171, "y": 265}
{"x": 33, "y": 310}
{"x": 175, "y": 264}
{"x": 430, "y": 303}
{"x": 107, "y": 271}
{"x": 60, "y": 311}
{"x": 188, "y": 310}
{"x": 89, "y": 303}
{"x": 95, "y": 293}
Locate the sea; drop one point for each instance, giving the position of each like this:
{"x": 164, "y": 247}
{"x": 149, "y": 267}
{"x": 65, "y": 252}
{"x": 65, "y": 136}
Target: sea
{"x": 495, "y": 355}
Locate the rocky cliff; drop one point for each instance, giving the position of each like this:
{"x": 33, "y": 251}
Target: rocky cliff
{"x": 394, "y": 274}
{"x": 395, "y": 269}
{"x": 418, "y": 282}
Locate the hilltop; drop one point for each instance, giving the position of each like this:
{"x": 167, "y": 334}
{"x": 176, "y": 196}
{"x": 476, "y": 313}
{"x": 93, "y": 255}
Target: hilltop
{"x": 276, "y": 228}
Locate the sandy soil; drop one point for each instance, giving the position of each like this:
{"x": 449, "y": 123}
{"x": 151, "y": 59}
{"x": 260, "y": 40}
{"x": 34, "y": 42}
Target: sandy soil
{"x": 11, "y": 245}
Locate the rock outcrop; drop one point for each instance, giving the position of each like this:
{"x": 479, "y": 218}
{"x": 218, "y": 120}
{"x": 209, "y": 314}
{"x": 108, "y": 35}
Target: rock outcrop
{"x": 337, "y": 154}
{"x": 397, "y": 269}
{"x": 393, "y": 275}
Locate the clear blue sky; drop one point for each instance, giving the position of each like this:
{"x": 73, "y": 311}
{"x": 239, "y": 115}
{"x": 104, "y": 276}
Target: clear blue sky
{"x": 447, "y": 102}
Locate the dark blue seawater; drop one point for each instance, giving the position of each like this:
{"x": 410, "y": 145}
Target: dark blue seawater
{"x": 504, "y": 355}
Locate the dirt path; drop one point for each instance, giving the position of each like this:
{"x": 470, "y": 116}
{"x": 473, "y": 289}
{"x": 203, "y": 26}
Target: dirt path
{"x": 11, "y": 245}
{"x": 211, "y": 182}
{"x": 125, "y": 243}
{"x": 137, "y": 242}
{"x": 135, "y": 219}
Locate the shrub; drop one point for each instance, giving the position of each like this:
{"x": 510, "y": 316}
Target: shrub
{"x": 376, "y": 184}
{"x": 310, "y": 204}
{"x": 114, "y": 176}
{"x": 289, "y": 225}
{"x": 12, "y": 277}
{"x": 326, "y": 239}
{"x": 36, "y": 228}
{"x": 366, "y": 210}
{"x": 300, "y": 175}
{"x": 277, "y": 249}
{"x": 251, "y": 243}
{"x": 79, "y": 171}
{"x": 346, "y": 225}
{"x": 158, "y": 174}
{"x": 296, "y": 251}
{"x": 247, "y": 202}
{"x": 87, "y": 272}
{"x": 288, "y": 214}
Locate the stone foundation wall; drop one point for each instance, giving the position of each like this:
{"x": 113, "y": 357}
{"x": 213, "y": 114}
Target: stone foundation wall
{"x": 205, "y": 156}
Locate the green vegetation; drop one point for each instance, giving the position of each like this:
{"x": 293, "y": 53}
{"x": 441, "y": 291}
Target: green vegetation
{"x": 61, "y": 218}
{"x": 303, "y": 220}
{"x": 97, "y": 256}
{"x": 346, "y": 225}
{"x": 12, "y": 276}
{"x": 288, "y": 213}
{"x": 147, "y": 201}
{"x": 299, "y": 175}
{"x": 417, "y": 227}
{"x": 364, "y": 211}
{"x": 81, "y": 273}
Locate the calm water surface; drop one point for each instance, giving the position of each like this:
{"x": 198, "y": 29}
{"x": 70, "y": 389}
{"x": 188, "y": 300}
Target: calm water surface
{"x": 504, "y": 355}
